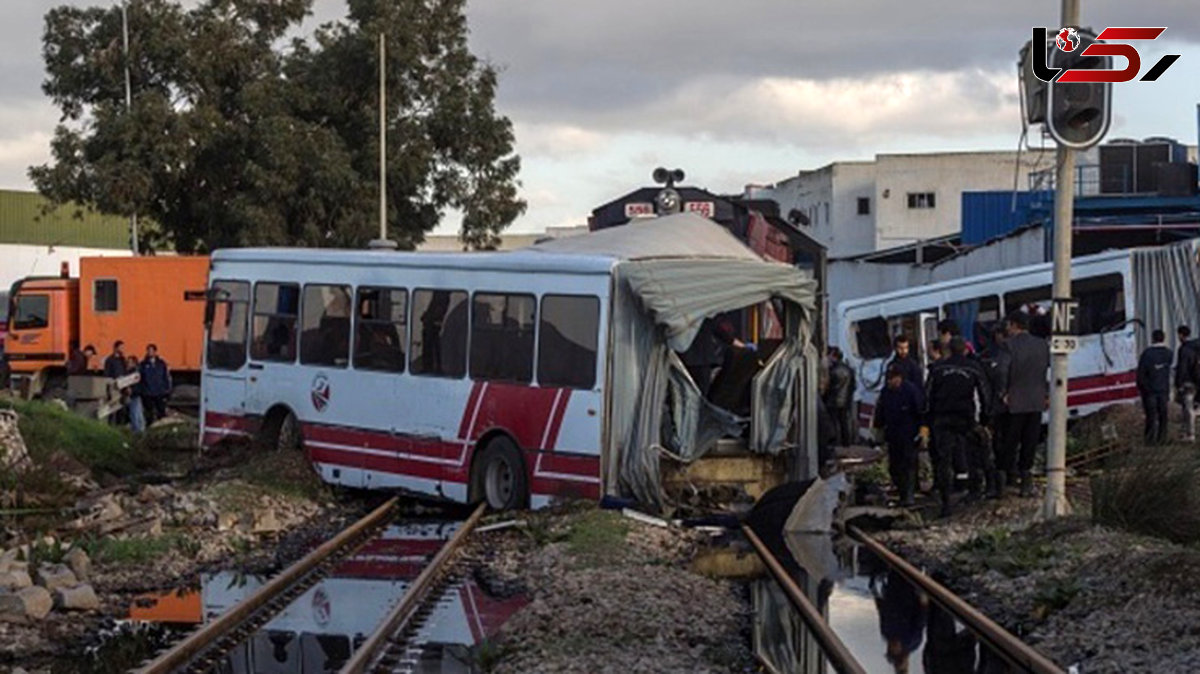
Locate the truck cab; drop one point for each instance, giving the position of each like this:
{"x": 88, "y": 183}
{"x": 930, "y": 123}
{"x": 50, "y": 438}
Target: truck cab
{"x": 42, "y": 329}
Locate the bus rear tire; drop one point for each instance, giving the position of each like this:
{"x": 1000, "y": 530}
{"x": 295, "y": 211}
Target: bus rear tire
{"x": 500, "y": 477}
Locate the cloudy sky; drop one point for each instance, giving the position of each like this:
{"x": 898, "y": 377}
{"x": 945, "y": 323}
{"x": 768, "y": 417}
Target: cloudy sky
{"x": 600, "y": 93}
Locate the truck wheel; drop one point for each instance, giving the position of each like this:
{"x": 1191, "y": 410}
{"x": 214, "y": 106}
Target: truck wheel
{"x": 500, "y": 476}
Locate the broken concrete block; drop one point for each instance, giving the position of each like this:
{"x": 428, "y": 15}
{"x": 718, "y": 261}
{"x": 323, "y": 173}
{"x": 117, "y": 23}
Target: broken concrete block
{"x": 78, "y": 598}
{"x": 54, "y": 576}
{"x": 15, "y": 580}
{"x": 31, "y": 603}
{"x": 226, "y": 521}
{"x": 265, "y": 522}
{"x": 78, "y": 562}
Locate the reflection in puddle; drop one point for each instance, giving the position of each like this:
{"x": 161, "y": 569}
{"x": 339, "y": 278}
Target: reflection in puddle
{"x": 319, "y": 631}
{"x": 886, "y": 622}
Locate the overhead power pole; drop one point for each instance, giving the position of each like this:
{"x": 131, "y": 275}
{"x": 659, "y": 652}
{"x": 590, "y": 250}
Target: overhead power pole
{"x": 133, "y": 223}
{"x": 383, "y": 241}
{"x": 1064, "y": 212}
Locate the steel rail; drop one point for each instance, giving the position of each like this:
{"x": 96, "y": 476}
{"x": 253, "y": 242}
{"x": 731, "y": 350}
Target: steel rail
{"x": 183, "y": 652}
{"x": 839, "y": 655}
{"x": 413, "y": 596}
{"x": 1016, "y": 651}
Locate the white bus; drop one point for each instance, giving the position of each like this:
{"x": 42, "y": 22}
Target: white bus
{"x": 1122, "y": 296}
{"x": 514, "y": 377}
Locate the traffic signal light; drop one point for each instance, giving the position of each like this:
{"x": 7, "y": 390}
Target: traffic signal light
{"x": 1033, "y": 87}
{"x": 1078, "y": 114}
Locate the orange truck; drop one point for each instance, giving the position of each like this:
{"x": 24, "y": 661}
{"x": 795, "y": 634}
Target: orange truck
{"x": 138, "y": 300}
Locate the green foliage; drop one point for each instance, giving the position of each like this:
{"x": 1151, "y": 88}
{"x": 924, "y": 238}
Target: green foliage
{"x": 236, "y": 138}
{"x": 597, "y": 536}
{"x": 1054, "y": 594}
{"x": 138, "y": 550}
{"x": 999, "y": 550}
{"x": 1154, "y": 492}
{"x": 48, "y": 428}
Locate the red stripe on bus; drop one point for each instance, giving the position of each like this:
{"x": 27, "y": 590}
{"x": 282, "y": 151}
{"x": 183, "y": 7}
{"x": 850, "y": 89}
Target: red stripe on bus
{"x": 520, "y": 410}
{"x": 1113, "y": 395}
{"x": 353, "y": 438}
{"x": 464, "y": 426}
{"x": 388, "y": 464}
{"x": 556, "y": 421}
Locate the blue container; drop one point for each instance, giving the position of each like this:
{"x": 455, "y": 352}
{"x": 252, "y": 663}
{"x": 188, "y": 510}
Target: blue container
{"x": 991, "y": 214}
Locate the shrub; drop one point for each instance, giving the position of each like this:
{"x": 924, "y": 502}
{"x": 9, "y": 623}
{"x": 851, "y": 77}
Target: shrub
{"x": 1153, "y": 492}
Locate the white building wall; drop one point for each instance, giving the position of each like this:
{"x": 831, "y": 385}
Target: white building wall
{"x": 946, "y": 176}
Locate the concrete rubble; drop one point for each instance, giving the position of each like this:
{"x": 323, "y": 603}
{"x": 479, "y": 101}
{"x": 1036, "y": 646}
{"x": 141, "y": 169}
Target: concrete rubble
{"x": 22, "y": 606}
{"x": 54, "y": 576}
{"x": 14, "y": 456}
{"x": 79, "y": 598}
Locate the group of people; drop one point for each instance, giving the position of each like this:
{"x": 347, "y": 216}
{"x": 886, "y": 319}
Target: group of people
{"x": 978, "y": 415}
{"x": 145, "y": 401}
{"x": 1154, "y": 383}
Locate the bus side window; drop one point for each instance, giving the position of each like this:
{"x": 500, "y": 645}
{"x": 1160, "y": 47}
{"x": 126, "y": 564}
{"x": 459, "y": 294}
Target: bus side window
{"x": 439, "y": 342}
{"x": 227, "y": 334}
{"x": 872, "y": 339}
{"x": 975, "y": 318}
{"x": 325, "y": 326}
{"x": 502, "y": 337}
{"x": 1101, "y": 303}
{"x": 1036, "y": 303}
{"x": 382, "y": 329}
{"x": 276, "y": 306}
{"x": 568, "y": 339}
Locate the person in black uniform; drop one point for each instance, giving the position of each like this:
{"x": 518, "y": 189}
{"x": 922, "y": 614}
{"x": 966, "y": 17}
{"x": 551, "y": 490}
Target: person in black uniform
{"x": 995, "y": 366}
{"x": 957, "y": 398}
{"x": 1154, "y": 384}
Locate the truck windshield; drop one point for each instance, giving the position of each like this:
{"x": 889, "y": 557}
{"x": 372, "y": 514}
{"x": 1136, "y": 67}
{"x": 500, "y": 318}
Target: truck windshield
{"x": 31, "y": 312}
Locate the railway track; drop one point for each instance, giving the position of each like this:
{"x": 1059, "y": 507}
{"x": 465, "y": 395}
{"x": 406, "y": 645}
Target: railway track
{"x": 202, "y": 650}
{"x": 1019, "y": 656}
{"x": 392, "y": 647}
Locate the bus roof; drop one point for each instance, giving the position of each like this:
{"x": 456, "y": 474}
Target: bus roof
{"x": 979, "y": 278}
{"x": 681, "y": 236}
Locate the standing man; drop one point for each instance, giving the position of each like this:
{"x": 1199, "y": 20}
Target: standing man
{"x": 156, "y": 384}
{"x": 1187, "y": 379}
{"x": 840, "y": 397}
{"x": 114, "y": 364}
{"x": 1154, "y": 385}
{"x": 957, "y": 400}
{"x": 995, "y": 366}
{"x": 898, "y": 414}
{"x": 902, "y": 358}
{"x": 78, "y": 362}
{"x": 1027, "y": 394}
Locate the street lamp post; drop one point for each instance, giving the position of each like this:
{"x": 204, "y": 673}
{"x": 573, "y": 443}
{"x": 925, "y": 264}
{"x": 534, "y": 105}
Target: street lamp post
{"x": 133, "y": 222}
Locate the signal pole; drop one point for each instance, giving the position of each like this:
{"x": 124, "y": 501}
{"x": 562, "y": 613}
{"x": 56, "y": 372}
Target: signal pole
{"x": 1064, "y": 212}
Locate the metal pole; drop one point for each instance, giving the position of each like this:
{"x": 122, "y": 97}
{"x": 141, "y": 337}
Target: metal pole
{"x": 382, "y": 139}
{"x": 1064, "y": 213}
{"x": 133, "y": 223}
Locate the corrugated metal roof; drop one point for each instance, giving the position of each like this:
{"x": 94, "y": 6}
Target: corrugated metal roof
{"x": 22, "y": 220}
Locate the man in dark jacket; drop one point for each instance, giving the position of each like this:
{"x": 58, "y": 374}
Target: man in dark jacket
{"x": 1026, "y": 394}
{"x": 995, "y": 366}
{"x": 78, "y": 362}
{"x": 839, "y": 399}
{"x": 898, "y": 413}
{"x": 1187, "y": 381}
{"x": 155, "y": 384}
{"x": 1154, "y": 385}
{"x": 114, "y": 364}
{"x": 902, "y": 358}
{"x": 957, "y": 399}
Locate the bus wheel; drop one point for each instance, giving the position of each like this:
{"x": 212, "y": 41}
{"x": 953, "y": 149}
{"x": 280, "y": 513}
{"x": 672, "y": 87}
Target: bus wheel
{"x": 282, "y": 433}
{"x": 501, "y": 475}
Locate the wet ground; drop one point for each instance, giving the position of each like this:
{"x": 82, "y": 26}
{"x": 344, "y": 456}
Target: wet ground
{"x": 320, "y": 630}
{"x": 888, "y": 624}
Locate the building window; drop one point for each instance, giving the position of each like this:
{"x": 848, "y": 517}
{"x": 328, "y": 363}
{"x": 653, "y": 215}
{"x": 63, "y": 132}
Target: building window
{"x": 104, "y": 295}
{"x": 502, "y": 337}
{"x": 276, "y": 308}
{"x": 325, "y": 326}
{"x": 227, "y": 332}
{"x": 569, "y": 334}
{"x": 439, "y": 345}
{"x": 32, "y": 312}
{"x": 382, "y": 329}
{"x": 921, "y": 200}
{"x": 864, "y": 205}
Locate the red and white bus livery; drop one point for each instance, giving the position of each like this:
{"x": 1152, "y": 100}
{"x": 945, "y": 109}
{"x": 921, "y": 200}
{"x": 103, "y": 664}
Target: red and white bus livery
{"x": 1122, "y": 296}
{"x": 466, "y": 376}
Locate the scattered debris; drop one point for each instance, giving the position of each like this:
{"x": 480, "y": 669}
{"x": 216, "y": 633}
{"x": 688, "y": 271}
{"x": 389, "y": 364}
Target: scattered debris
{"x": 30, "y": 603}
